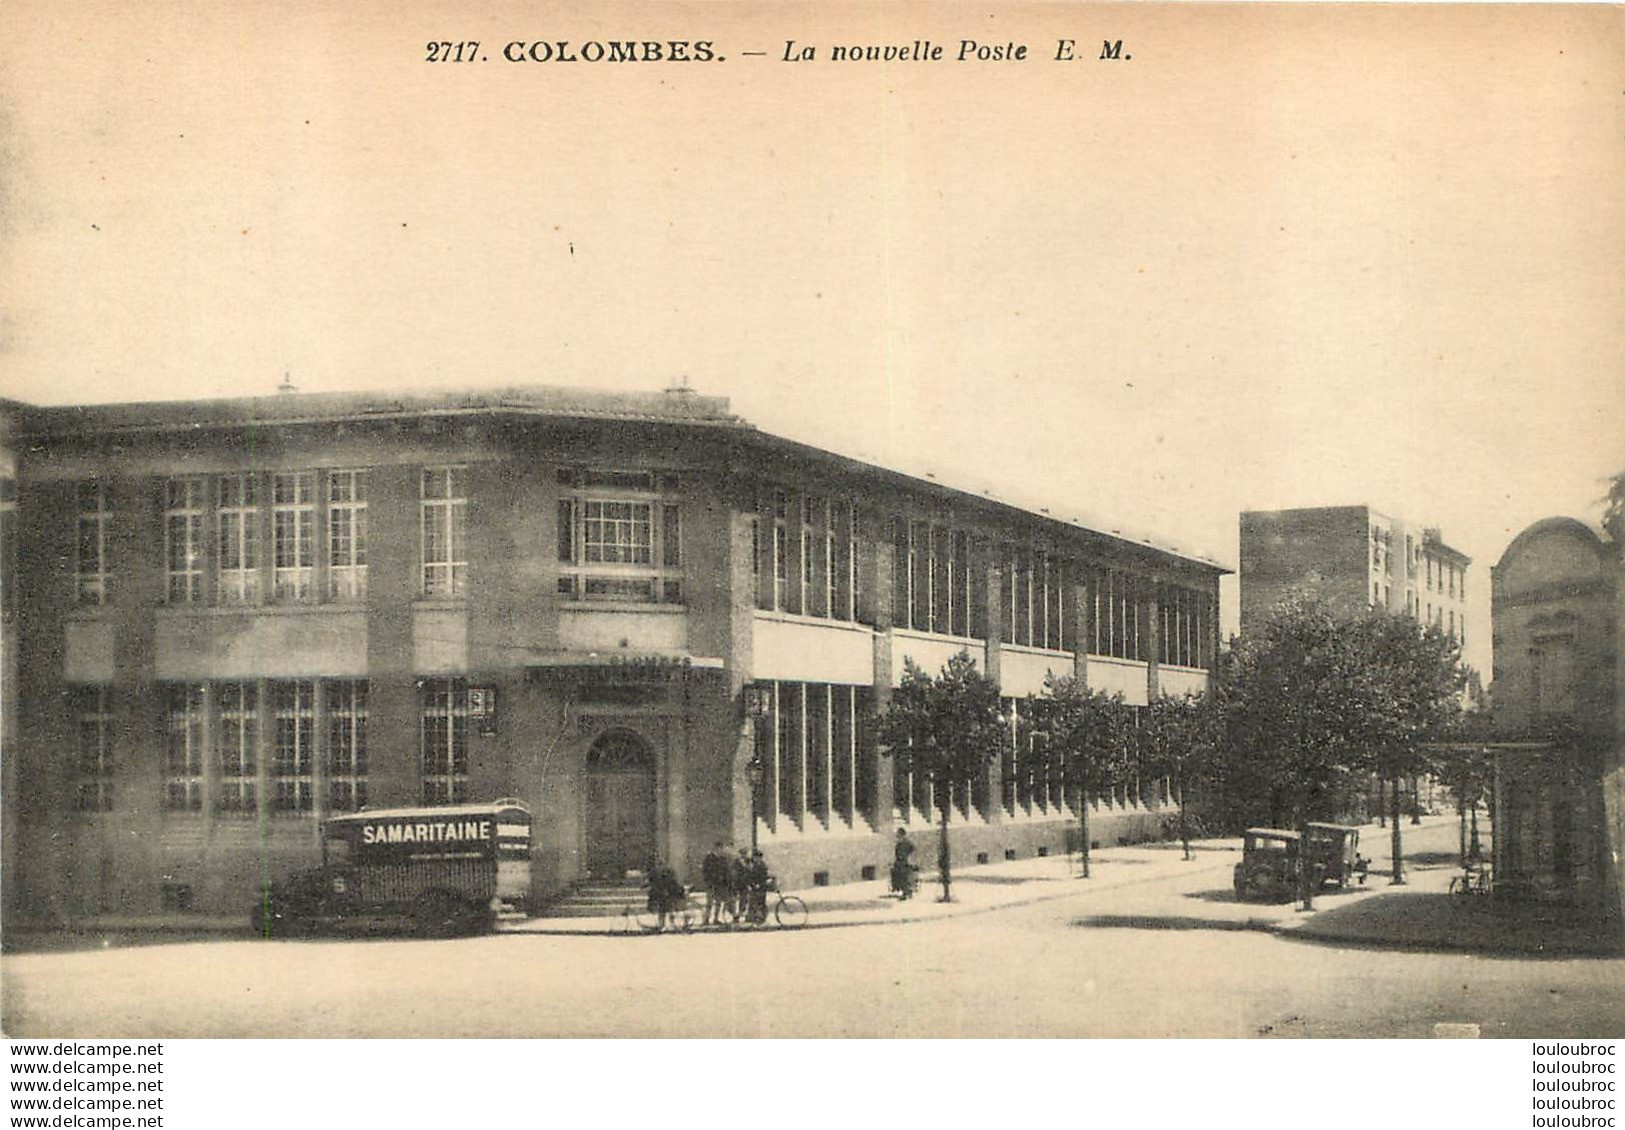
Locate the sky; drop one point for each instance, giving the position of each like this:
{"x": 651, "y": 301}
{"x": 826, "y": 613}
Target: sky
{"x": 1271, "y": 257}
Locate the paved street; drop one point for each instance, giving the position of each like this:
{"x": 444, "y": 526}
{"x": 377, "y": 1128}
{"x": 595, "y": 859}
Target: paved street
{"x": 1169, "y": 956}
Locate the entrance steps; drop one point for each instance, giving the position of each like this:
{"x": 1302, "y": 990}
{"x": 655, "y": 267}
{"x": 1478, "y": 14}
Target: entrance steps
{"x": 596, "y": 898}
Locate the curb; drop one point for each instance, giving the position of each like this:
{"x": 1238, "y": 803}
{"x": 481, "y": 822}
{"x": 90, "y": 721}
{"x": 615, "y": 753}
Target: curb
{"x": 959, "y": 910}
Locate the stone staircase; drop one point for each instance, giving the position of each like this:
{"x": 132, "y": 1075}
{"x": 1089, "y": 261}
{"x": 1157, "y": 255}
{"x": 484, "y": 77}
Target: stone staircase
{"x": 596, "y": 898}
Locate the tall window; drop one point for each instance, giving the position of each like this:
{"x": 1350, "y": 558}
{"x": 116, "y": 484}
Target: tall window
{"x": 445, "y": 741}
{"x": 347, "y": 535}
{"x": 95, "y": 761}
{"x": 810, "y": 553}
{"x": 346, "y": 708}
{"x": 90, "y": 572}
{"x": 183, "y": 539}
{"x": 293, "y": 535}
{"x": 445, "y": 514}
{"x": 237, "y": 739}
{"x": 293, "y": 737}
{"x": 1180, "y": 613}
{"x": 183, "y": 747}
{"x": 1117, "y": 615}
{"x": 620, "y": 537}
{"x": 781, "y": 550}
{"x": 237, "y": 521}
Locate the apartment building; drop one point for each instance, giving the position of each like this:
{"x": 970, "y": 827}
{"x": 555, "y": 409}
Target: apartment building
{"x": 234, "y": 617}
{"x": 1354, "y": 556}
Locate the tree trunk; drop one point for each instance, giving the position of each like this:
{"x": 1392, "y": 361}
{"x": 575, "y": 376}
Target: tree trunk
{"x": 1475, "y": 849}
{"x": 1461, "y": 811}
{"x": 1416, "y": 800}
{"x": 942, "y": 856}
{"x": 1398, "y": 879}
{"x": 1184, "y": 824}
{"x": 1083, "y": 831}
{"x": 1382, "y": 803}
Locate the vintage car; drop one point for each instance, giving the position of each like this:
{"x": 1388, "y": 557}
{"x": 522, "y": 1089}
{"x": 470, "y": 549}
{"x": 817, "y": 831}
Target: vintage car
{"x": 1268, "y": 871}
{"x": 1333, "y": 850}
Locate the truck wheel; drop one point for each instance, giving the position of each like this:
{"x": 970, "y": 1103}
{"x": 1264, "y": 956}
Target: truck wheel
{"x": 440, "y": 914}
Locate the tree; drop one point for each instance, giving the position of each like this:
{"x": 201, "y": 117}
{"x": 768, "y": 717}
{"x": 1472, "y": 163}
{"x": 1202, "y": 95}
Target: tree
{"x": 1172, "y": 742}
{"x": 1320, "y": 697}
{"x": 1087, "y": 735}
{"x": 948, "y": 728}
{"x": 1407, "y": 693}
{"x": 1287, "y": 718}
{"x": 1613, "y": 515}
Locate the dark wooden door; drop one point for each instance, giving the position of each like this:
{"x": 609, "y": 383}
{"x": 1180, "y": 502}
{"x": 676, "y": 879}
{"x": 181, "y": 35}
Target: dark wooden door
{"x": 620, "y": 822}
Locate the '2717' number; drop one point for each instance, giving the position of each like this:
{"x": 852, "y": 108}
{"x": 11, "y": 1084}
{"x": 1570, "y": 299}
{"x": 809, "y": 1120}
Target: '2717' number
{"x": 465, "y": 52}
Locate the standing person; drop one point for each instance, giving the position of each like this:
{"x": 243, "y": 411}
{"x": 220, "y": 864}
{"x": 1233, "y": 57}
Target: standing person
{"x": 756, "y": 880}
{"x": 717, "y": 873}
{"x": 902, "y": 868}
{"x": 665, "y": 893}
{"x": 739, "y": 880}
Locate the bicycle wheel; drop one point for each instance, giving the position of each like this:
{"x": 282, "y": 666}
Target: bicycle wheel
{"x": 681, "y": 921}
{"x": 647, "y": 920}
{"x": 790, "y": 912}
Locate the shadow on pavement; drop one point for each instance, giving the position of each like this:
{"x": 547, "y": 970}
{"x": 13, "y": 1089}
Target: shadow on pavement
{"x": 1432, "y": 921}
{"x": 1432, "y": 859}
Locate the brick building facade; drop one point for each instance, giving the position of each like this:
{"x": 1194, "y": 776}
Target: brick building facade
{"x": 234, "y": 617}
{"x": 1354, "y": 556}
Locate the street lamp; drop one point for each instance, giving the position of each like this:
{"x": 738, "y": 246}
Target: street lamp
{"x": 758, "y": 703}
{"x": 755, "y": 771}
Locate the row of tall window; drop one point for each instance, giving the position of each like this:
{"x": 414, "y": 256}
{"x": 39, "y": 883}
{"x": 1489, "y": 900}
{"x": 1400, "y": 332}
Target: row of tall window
{"x": 935, "y": 587}
{"x": 258, "y": 531}
{"x": 301, "y": 536}
{"x": 212, "y": 745}
{"x": 222, "y": 721}
{"x": 820, "y": 766}
{"x": 1445, "y": 578}
{"x": 817, "y": 755}
{"x": 1030, "y": 784}
{"x": 238, "y": 514}
{"x": 807, "y": 558}
{"x": 315, "y": 737}
{"x": 1186, "y": 627}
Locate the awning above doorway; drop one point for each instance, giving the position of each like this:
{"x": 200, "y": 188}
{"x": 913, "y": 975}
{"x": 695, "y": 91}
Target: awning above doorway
{"x": 632, "y": 664}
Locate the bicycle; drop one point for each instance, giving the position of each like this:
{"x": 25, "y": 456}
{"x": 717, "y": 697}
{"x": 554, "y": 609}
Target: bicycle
{"x": 788, "y": 911}
{"x": 641, "y": 919}
{"x": 1472, "y": 882}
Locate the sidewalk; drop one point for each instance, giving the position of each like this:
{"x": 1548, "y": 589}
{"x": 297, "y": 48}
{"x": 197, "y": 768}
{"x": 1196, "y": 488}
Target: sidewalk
{"x": 977, "y": 889}
{"x": 1149, "y": 886}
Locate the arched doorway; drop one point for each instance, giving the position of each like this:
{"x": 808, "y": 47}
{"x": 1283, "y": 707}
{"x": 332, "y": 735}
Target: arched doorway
{"x": 620, "y": 820}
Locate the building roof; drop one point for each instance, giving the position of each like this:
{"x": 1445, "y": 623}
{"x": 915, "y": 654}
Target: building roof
{"x": 676, "y": 406}
{"x": 679, "y": 405}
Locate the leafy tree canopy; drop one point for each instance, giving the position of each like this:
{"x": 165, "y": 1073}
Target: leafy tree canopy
{"x": 1318, "y": 696}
